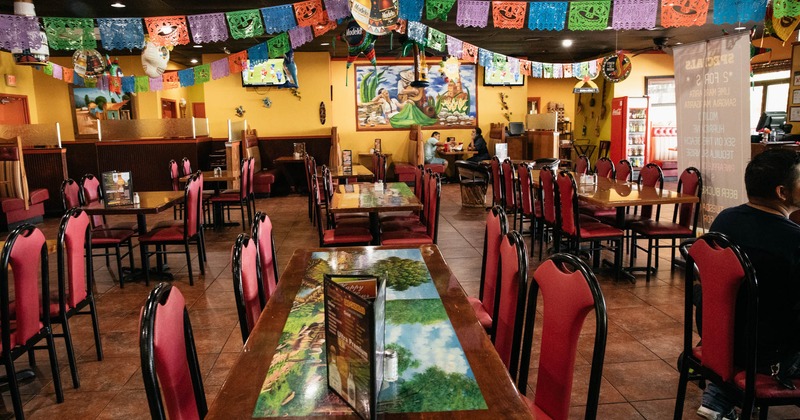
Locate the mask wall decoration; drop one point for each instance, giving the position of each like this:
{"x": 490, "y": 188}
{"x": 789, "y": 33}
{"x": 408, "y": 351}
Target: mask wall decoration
{"x": 154, "y": 59}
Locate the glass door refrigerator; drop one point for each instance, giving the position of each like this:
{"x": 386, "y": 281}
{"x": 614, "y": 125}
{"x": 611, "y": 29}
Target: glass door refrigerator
{"x": 629, "y": 138}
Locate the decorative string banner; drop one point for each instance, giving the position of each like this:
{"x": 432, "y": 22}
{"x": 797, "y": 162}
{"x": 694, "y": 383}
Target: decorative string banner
{"x": 485, "y": 57}
{"x": 278, "y": 46}
{"x": 736, "y": 11}
{"x": 469, "y": 52}
{"x": 558, "y": 71}
{"x": 692, "y": 12}
{"x": 326, "y": 26}
{"x": 171, "y": 80}
{"x": 508, "y": 14}
{"x": 258, "y": 53}
{"x": 19, "y": 32}
{"x": 309, "y": 12}
{"x": 167, "y": 30}
{"x": 115, "y": 84}
{"x": 278, "y": 18}
{"x": 337, "y": 9}
{"x": 547, "y": 16}
{"x": 513, "y": 65}
{"x": 121, "y": 33}
{"x": 142, "y": 84}
{"x": 785, "y": 8}
{"x": 567, "y": 70}
{"x": 58, "y": 71}
{"x": 48, "y": 69}
{"x": 69, "y": 33}
{"x": 436, "y": 39}
{"x": 636, "y": 14}
{"x": 208, "y": 28}
{"x": 472, "y": 13}
{"x": 454, "y": 46}
{"x": 202, "y": 74}
{"x": 498, "y": 61}
{"x": 220, "y": 69}
{"x": 536, "y": 69}
{"x": 186, "y": 77}
{"x": 438, "y": 9}
{"x": 236, "y": 61}
{"x": 417, "y": 32}
{"x": 245, "y": 24}
{"x": 410, "y": 10}
{"x": 300, "y": 35}
{"x": 156, "y": 84}
{"x": 589, "y": 15}
{"x": 69, "y": 75}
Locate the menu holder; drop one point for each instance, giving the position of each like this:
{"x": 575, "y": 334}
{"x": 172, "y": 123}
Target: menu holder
{"x": 347, "y": 158}
{"x": 501, "y": 151}
{"x": 354, "y": 337}
{"x": 377, "y": 147}
{"x": 299, "y": 150}
{"x": 117, "y": 188}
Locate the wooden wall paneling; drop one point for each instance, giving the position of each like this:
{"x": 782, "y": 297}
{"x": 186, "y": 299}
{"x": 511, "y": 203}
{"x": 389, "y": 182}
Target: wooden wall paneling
{"x": 81, "y": 158}
{"x": 47, "y": 168}
{"x": 147, "y": 160}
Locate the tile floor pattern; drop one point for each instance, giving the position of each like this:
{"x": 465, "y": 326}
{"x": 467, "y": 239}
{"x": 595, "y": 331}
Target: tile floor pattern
{"x": 639, "y": 377}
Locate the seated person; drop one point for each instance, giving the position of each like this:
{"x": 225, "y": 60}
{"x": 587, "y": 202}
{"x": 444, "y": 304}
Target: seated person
{"x": 772, "y": 180}
{"x": 478, "y": 144}
{"x": 430, "y": 150}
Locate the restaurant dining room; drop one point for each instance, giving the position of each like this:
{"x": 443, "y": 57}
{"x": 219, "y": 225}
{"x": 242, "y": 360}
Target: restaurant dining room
{"x": 422, "y": 209}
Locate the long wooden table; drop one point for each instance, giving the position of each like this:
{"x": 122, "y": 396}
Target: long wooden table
{"x": 367, "y": 198}
{"x": 274, "y": 341}
{"x": 358, "y": 172}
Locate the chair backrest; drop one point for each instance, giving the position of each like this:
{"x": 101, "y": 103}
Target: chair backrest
{"x": 12, "y": 170}
{"x": 311, "y": 170}
{"x": 173, "y": 175}
{"x": 382, "y": 167}
{"x": 192, "y": 204}
{"x": 24, "y": 255}
{"x": 70, "y": 194}
{"x": 526, "y": 190}
{"x": 513, "y": 287}
{"x": 419, "y": 186}
{"x": 690, "y": 182}
{"x": 251, "y": 165}
{"x": 570, "y": 291}
{"x": 74, "y": 253}
{"x": 247, "y": 285}
{"x": 186, "y": 166}
{"x": 244, "y": 178}
{"x": 624, "y": 171}
{"x": 267, "y": 256}
{"x": 170, "y": 367}
{"x": 651, "y": 176}
{"x": 434, "y": 193}
{"x": 376, "y": 158}
{"x": 547, "y": 184}
{"x": 567, "y": 203}
{"x": 582, "y": 166}
{"x": 250, "y": 146}
{"x": 496, "y": 230}
{"x": 317, "y": 197}
{"x": 509, "y": 185}
{"x": 604, "y": 168}
{"x": 497, "y": 182}
{"x": 722, "y": 269}
{"x": 90, "y": 193}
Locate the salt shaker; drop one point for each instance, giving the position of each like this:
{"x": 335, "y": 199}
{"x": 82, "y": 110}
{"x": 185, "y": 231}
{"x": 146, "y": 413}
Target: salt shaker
{"x": 136, "y": 198}
{"x": 390, "y": 373}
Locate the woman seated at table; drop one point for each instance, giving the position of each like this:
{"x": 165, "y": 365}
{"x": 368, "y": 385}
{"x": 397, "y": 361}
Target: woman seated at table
{"x": 478, "y": 144}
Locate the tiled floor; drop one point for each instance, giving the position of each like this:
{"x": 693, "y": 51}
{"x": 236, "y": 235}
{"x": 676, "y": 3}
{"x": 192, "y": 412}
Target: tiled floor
{"x": 644, "y": 340}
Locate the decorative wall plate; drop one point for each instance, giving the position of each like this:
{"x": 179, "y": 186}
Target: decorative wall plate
{"x": 616, "y": 68}
{"x": 322, "y": 113}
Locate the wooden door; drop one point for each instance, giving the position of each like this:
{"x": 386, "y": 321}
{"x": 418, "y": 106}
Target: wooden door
{"x": 14, "y": 109}
{"x": 169, "y": 108}
{"x": 199, "y": 109}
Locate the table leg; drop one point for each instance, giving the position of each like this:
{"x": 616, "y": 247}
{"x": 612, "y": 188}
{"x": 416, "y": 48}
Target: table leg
{"x": 159, "y": 273}
{"x": 375, "y": 227}
{"x": 620, "y": 223}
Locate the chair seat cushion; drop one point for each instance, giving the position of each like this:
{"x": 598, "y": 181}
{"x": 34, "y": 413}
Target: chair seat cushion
{"x": 110, "y": 236}
{"x": 629, "y": 219}
{"x": 10, "y": 204}
{"x": 346, "y": 235}
{"x": 435, "y": 167}
{"x": 585, "y": 218}
{"x": 168, "y": 223}
{"x": 403, "y": 168}
{"x": 399, "y": 216}
{"x": 480, "y": 312}
{"x": 598, "y": 212}
{"x": 227, "y": 197}
{"x": 405, "y": 238}
{"x": 165, "y": 234}
{"x": 121, "y": 226}
{"x": 767, "y": 387}
{"x": 404, "y": 226}
{"x": 263, "y": 177}
{"x": 39, "y": 195}
{"x": 353, "y": 222}
{"x": 599, "y": 230}
{"x": 667, "y": 229}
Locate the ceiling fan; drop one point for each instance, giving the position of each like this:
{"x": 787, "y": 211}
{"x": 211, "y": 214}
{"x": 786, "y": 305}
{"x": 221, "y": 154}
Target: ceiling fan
{"x": 660, "y": 43}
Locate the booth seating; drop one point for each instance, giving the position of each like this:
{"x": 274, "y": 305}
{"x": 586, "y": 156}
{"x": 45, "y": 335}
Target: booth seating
{"x": 262, "y": 178}
{"x": 416, "y": 156}
{"x": 17, "y": 204}
{"x": 669, "y": 168}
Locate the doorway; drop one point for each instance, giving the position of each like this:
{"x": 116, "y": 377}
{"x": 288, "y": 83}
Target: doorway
{"x": 169, "y": 108}
{"x": 14, "y": 109}
{"x": 199, "y": 109}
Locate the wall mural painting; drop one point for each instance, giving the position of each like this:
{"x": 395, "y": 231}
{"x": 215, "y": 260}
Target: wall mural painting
{"x": 385, "y": 99}
{"x": 92, "y": 104}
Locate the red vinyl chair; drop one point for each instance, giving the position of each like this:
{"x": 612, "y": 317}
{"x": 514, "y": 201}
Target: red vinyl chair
{"x": 267, "y": 257}
{"x": 682, "y": 226}
{"x": 339, "y": 220}
{"x": 414, "y": 222}
{"x": 337, "y": 236}
{"x": 251, "y": 192}
{"x": 419, "y": 191}
{"x": 513, "y": 289}
{"x": 75, "y": 282}
{"x": 485, "y": 306}
{"x": 430, "y": 236}
{"x": 170, "y": 367}
{"x": 528, "y": 201}
{"x": 183, "y": 234}
{"x": 728, "y": 280}
{"x": 510, "y": 193}
{"x": 70, "y": 194}
{"x": 570, "y": 291}
{"x": 237, "y": 199}
{"x": 174, "y": 178}
{"x": 624, "y": 172}
{"x": 576, "y": 230}
{"x": 25, "y": 254}
{"x": 497, "y": 182}
{"x": 247, "y": 284}
{"x": 547, "y": 185}
{"x": 91, "y": 192}
{"x": 311, "y": 174}
{"x": 604, "y": 168}
{"x": 582, "y": 166}
{"x": 186, "y": 166}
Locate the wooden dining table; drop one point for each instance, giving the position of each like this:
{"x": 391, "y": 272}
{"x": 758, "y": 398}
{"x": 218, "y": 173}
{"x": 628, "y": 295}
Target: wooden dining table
{"x": 374, "y": 199}
{"x": 358, "y": 172}
{"x": 449, "y": 368}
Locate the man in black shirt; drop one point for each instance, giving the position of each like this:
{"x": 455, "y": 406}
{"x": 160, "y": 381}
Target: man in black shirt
{"x": 763, "y": 230}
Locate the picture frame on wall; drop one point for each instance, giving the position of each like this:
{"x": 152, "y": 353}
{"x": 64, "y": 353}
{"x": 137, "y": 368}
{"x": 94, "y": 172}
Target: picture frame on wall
{"x": 89, "y": 105}
{"x": 794, "y": 113}
{"x": 796, "y": 97}
{"x": 796, "y": 78}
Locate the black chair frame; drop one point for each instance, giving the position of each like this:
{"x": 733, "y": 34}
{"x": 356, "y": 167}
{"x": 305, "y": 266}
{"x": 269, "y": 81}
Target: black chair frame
{"x": 238, "y": 289}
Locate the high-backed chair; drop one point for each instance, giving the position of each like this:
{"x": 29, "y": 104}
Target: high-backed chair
{"x": 170, "y": 367}
{"x": 497, "y": 182}
{"x": 186, "y": 166}
{"x": 186, "y": 234}
{"x": 17, "y": 203}
{"x": 336, "y": 236}
{"x": 513, "y": 290}
{"x": 338, "y": 220}
{"x": 263, "y": 178}
{"x": 174, "y": 179}
{"x": 267, "y": 257}
{"x": 583, "y": 165}
{"x": 75, "y": 282}
{"x": 247, "y": 284}
{"x": 415, "y": 216}
{"x": 25, "y": 254}
{"x": 728, "y": 282}
{"x": 70, "y": 194}
{"x": 237, "y": 199}
{"x": 433, "y": 191}
{"x": 485, "y": 305}
{"x": 624, "y": 171}
{"x": 570, "y": 292}
{"x": 528, "y": 201}
{"x": 683, "y": 224}
{"x": 604, "y": 168}
{"x": 547, "y": 185}
{"x": 510, "y": 192}
{"x": 604, "y": 148}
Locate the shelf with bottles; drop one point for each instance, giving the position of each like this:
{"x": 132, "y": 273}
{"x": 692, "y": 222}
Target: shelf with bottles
{"x": 637, "y": 162}
{"x": 637, "y": 113}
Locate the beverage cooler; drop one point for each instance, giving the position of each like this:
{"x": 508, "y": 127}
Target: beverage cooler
{"x": 629, "y": 139}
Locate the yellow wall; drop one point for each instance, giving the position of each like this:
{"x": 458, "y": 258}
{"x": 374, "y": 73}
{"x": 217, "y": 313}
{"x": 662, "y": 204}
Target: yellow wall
{"x": 25, "y": 82}
{"x": 655, "y": 64}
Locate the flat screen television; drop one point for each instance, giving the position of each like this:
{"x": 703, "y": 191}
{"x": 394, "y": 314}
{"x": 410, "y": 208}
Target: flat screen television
{"x": 501, "y": 77}
{"x": 273, "y": 72}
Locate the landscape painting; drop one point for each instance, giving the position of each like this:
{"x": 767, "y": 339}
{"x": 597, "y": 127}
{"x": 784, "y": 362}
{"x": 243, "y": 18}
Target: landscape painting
{"x": 92, "y": 104}
{"x": 386, "y": 99}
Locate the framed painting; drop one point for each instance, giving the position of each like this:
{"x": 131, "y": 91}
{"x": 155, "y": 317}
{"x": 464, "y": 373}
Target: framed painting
{"x": 385, "y": 99}
{"x": 91, "y": 104}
